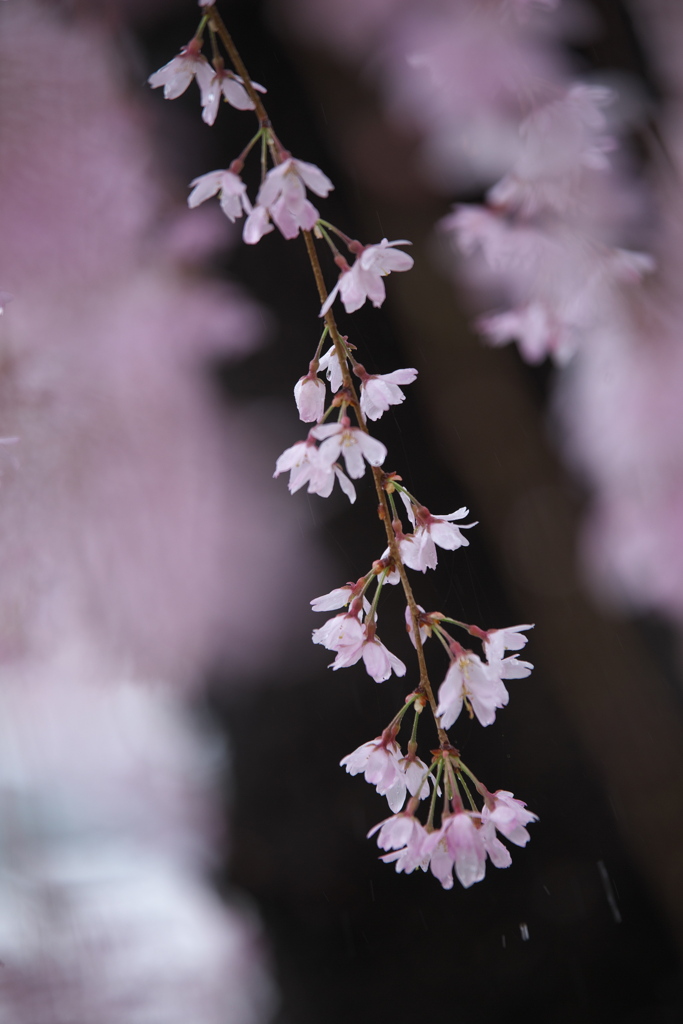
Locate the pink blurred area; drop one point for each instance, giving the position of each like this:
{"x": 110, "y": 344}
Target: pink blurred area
{"x": 494, "y": 100}
{"x": 142, "y": 543}
{"x": 134, "y": 508}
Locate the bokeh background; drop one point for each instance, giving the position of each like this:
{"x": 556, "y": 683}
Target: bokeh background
{"x": 178, "y": 841}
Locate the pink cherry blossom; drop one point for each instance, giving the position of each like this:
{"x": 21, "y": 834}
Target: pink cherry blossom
{"x": 352, "y": 641}
{"x": 345, "y": 630}
{"x": 497, "y": 852}
{"x": 558, "y": 142}
{"x": 304, "y": 465}
{"x": 385, "y": 768}
{"x": 534, "y": 327}
{"x": 364, "y": 279}
{"x": 282, "y": 197}
{"x": 469, "y": 677}
{"x": 179, "y": 72}
{"x": 407, "y": 836}
{"x": 496, "y": 641}
{"x": 309, "y": 395}
{"x": 509, "y": 816}
{"x": 379, "y": 662}
{"x": 256, "y": 225}
{"x": 379, "y": 391}
{"x": 561, "y": 282}
{"x": 351, "y": 442}
{"x": 233, "y": 192}
{"x": 297, "y": 461}
{"x": 512, "y": 668}
{"x": 460, "y": 844}
{"x": 418, "y": 549}
{"x": 225, "y": 83}
{"x": 337, "y": 598}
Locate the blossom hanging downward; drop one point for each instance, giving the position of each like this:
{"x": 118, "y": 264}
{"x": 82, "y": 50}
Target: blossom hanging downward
{"x": 229, "y": 86}
{"x": 418, "y": 549}
{"x": 351, "y": 442}
{"x": 302, "y": 462}
{"x": 510, "y": 816}
{"x": 233, "y": 193}
{"x": 364, "y": 279}
{"x": 179, "y": 72}
{"x": 384, "y": 767}
{"x": 380, "y": 390}
{"x": 497, "y": 641}
{"x": 282, "y": 197}
{"x": 353, "y": 640}
{"x": 477, "y": 684}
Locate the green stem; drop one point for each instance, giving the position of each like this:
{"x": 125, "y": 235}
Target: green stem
{"x": 325, "y": 235}
{"x": 398, "y": 717}
{"x": 319, "y": 349}
{"x": 413, "y": 734}
{"x": 473, "y": 777}
{"x": 199, "y": 34}
{"x": 456, "y": 622}
{"x": 375, "y": 601}
{"x": 345, "y": 238}
{"x": 442, "y": 634}
{"x": 467, "y": 791}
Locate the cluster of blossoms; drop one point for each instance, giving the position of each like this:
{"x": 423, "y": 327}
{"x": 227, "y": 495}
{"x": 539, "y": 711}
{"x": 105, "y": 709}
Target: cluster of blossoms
{"x": 540, "y": 243}
{"x": 412, "y": 533}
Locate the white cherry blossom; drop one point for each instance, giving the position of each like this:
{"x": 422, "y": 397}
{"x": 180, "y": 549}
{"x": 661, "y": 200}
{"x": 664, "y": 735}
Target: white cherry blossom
{"x": 379, "y": 662}
{"x": 469, "y": 677}
{"x": 303, "y": 463}
{"x": 352, "y": 640}
{"x": 364, "y": 279}
{"x": 297, "y": 461}
{"x": 418, "y": 549}
{"x": 282, "y": 198}
{"x": 176, "y": 76}
{"x": 385, "y": 768}
{"x": 497, "y": 641}
{"x": 351, "y": 442}
{"x": 380, "y": 390}
{"x": 406, "y": 836}
{"x": 512, "y": 668}
{"x": 509, "y": 815}
{"x": 337, "y": 598}
{"x": 340, "y": 632}
{"x": 322, "y": 476}
{"x": 256, "y": 225}
{"x": 225, "y": 83}
{"x": 233, "y": 192}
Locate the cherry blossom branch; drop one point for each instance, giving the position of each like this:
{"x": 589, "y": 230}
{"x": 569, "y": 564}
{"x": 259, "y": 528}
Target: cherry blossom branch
{"x": 465, "y": 838}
